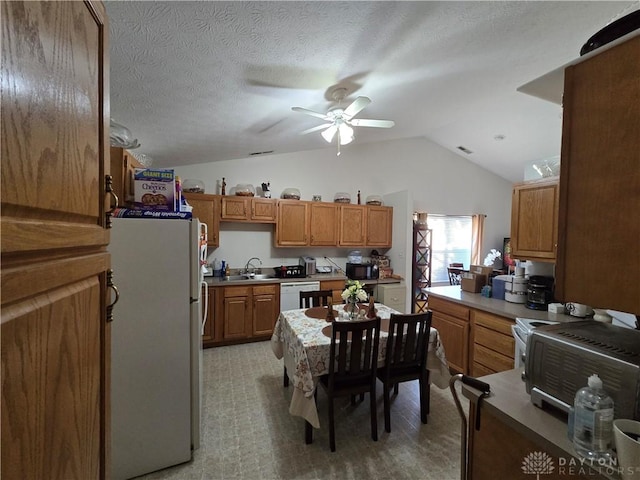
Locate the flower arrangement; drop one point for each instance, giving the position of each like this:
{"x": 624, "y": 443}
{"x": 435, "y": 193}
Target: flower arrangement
{"x": 354, "y": 292}
{"x": 491, "y": 257}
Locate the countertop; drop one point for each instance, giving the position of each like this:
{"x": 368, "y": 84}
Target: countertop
{"x": 495, "y": 306}
{"x": 220, "y": 281}
{"x": 510, "y": 403}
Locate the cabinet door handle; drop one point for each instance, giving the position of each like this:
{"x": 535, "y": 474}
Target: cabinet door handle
{"x": 108, "y": 186}
{"x": 112, "y": 286}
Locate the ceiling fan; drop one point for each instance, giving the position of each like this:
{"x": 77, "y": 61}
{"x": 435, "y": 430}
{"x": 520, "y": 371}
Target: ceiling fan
{"x": 341, "y": 120}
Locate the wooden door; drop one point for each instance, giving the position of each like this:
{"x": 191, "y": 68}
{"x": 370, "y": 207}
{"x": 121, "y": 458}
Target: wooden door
{"x": 237, "y": 313}
{"x": 379, "y": 226}
{"x": 323, "y": 225}
{"x": 454, "y": 334}
{"x": 534, "y": 220}
{"x": 55, "y": 339}
{"x": 353, "y": 225}
{"x": 265, "y": 310}
{"x": 207, "y": 209}
{"x": 263, "y": 210}
{"x": 235, "y": 207}
{"x": 598, "y": 255}
{"x": 292, "y": 229}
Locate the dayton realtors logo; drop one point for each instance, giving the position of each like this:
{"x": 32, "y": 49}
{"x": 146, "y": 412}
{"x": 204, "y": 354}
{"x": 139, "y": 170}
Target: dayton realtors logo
{"x": 537, "y": 463}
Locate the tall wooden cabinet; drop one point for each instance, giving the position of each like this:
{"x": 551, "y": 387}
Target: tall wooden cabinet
{"x": 207, "y": 209}
{"x": 534, "y": 220}
{"x": 123, "y": 166}
{"x": 55, "y": 342}
{"x": 598, "y": 255}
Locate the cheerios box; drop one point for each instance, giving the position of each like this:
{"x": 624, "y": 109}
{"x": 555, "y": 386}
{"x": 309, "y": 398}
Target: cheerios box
{"x": 155, "y": 189}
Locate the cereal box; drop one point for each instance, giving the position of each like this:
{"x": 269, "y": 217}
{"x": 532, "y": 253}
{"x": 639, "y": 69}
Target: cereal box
{"x": 155, "y": 189}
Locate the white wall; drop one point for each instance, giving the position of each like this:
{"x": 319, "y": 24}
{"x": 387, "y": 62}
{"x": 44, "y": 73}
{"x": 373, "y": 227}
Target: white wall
{"x": 437, "y": 181}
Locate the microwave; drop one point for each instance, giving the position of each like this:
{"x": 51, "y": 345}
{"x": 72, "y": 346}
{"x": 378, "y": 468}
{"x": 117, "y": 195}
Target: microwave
{"x": 362, "y": 271}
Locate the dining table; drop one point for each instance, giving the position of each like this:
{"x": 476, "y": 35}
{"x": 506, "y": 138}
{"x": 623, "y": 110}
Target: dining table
{"x": 302, "y": 338}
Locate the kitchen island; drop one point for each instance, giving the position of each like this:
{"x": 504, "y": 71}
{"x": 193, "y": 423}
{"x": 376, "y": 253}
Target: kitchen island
{"x": 517, "y": 440}
{"x": 476, "y": 330}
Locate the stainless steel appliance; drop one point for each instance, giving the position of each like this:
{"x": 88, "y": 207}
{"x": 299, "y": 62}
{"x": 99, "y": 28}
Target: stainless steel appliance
{"x": 156, "y": 347}
{"x": 309, "y": 264}
{"x": 362, "y": 271}
{"x": 521, "y": 331}
{"x": 561, "y": 357}
{"x": 539, "y": 292}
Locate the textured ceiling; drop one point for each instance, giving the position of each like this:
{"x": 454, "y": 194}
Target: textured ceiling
{"x": 206, "y": 81}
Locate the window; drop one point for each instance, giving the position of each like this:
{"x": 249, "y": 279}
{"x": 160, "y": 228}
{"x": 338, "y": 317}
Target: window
{"x": 451, "y": 243}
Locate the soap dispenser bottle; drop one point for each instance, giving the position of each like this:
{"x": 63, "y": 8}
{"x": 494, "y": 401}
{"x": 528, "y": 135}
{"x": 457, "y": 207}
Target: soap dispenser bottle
{"x": 593, "y": 421}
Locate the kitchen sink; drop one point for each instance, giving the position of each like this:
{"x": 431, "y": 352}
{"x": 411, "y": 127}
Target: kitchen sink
{"x": 259, "y": 276}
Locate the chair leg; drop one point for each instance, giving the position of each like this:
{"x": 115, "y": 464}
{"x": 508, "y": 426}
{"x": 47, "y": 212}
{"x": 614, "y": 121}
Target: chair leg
{"x": 332, "y": 430}
{"x": 395, "y": 389}
{"x": 374, "y": 414}
{"x": 387, "y": 408}
{"x": 308, "y": 433}
{"x": 424, "y": 399}
{"x": 286, "y": 378}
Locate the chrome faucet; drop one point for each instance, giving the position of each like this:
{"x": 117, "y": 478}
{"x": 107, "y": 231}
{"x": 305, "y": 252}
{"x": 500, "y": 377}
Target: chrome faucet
{"x": 246, "y": 267}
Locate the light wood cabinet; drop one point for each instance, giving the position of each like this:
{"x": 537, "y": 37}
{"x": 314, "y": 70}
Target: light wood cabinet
{"x": 123, "y": 166}
{"x": 323, "y": 224}
{"x": 55, "y": 336}
{"x": 243, "y": 313}
{"x": 292, "y": 228}
{"x": 534, "y": 220}
{"x": 207, "y": 209}
{"x": 353, "y": 225}
{"x": 379, "y": 226}
{"x": 452, "y": 322}
{"x": 492, "y": 343}
{"x": 336, "y": 286}
{"x": 599, "y": 232}
{"x": 248, "y": 209}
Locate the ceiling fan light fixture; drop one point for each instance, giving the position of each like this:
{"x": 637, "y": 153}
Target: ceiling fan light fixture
{"x": 346, "y": 134}
{"x": 329, "y": 133}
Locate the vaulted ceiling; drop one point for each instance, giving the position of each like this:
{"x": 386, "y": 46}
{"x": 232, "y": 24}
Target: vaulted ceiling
{"x": 206, "y": 81}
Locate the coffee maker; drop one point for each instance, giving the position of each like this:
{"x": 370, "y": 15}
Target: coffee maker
{"x": 539, "y": 292}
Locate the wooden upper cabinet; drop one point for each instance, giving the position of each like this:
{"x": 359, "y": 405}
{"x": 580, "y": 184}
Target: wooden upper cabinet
{"x": 324, "y": 224}
{"x": 248, "y": 209}
{"x": 292, "y": 228}
{"x": 534, "y": 220}
{"x": 353, "y": 225}
{"x": 598, "y": 255}
{"x": 55, "y": 338}
{"x": 123, "y": 166}
{"x": 207, "y": 209}
{"x": 379, "y": 226}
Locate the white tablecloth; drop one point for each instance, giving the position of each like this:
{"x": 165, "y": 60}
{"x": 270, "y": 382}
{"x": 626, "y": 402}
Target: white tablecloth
{"x": 305, "y": 349}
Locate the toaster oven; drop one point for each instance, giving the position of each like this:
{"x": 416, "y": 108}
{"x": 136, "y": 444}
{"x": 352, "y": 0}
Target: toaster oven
{"x": 559, "y": 359}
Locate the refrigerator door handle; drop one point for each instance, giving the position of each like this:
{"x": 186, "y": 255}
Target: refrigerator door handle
{"x": 205, "y": 307}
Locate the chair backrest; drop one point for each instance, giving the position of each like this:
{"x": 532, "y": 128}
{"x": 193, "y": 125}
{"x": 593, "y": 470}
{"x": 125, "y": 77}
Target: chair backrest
{"x": 354, "y": 350}
{"x": 316, "y": 298}
{"x": 454, "y": 273}
{"x": 407, "y": 342}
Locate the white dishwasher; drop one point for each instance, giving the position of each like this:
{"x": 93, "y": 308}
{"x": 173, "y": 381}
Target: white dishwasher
{"x": 290, "y": 293}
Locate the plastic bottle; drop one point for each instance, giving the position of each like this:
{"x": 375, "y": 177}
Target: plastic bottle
{"x": 593, "y": 421}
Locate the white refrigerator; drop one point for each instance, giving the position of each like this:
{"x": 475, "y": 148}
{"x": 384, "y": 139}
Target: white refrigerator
{"x": 156, "y": 348}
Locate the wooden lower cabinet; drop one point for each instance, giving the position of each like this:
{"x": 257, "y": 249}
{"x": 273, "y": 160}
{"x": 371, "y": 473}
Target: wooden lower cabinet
{"x": 498, "y": 451}
{"x": 240, "y": 314}
{"x": 452, "y": 322}
{"x": 492, "y": 343}
{"x": 208, "y": 333}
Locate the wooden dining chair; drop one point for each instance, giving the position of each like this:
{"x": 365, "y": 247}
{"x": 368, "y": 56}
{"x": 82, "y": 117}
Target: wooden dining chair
{"x": 454, "y": 270}
{"x": 315, "y": 298}
{"x": 354, "y": 348}
{"x": 406, "y": 359}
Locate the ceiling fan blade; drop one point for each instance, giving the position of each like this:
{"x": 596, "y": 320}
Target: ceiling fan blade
{"x": 365, "y": 122}
{"x": 315, "y": 129}
{"x": 355, "y": 108}
{"x": 310, "y": 112}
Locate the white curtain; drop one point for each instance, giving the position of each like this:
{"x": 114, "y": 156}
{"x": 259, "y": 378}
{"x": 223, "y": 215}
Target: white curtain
{"x": 477, "y": 234}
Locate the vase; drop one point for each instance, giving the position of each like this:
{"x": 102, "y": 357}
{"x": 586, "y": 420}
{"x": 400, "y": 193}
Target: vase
{"x": 352, "y": 308}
